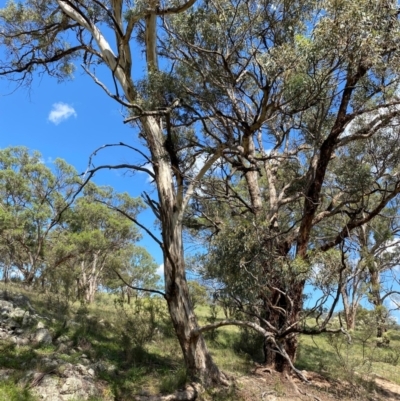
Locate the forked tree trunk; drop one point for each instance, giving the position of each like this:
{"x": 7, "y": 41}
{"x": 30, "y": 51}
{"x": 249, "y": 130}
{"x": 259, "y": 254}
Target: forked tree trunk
{"x": 350, "y": 310}
{"x": 290, "y": 343}
{"x": 274, "y": 316}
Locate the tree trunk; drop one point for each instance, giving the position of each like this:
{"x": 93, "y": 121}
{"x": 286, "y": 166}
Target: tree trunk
{"x": 350, "y": 317}
{"x": 289, "y": 342}
{"x": 6, "y": 277}
{"x": 350, "y": 310}
{"x": 197, "y": 358}
{"x": 376, "y": 299}
{"x": 28, "y": 278}
{"x": 90, "y": 290}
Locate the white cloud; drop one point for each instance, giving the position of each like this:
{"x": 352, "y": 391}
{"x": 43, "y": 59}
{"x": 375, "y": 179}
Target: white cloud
{"x": 61, "y": 112}
{"x": 160, "y": 270}
{"x": 149, "y": 167}
{"x": 199, "y": 163}
{"x": 394, "y": 303}
{"x": 49, "y": 160}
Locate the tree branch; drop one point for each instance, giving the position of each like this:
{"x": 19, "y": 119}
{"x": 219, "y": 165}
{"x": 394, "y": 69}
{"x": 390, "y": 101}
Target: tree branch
{"x": 138, "y": 288}
{"x": 176, "y": 10}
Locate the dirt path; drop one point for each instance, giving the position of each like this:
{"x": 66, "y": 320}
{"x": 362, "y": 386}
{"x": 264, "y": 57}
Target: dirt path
{"x": 388, "y": 389}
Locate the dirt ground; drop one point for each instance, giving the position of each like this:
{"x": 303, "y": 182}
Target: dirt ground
{"x": 266, "y": 385}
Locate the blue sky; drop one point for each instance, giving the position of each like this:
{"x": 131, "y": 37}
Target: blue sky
{"x": 70, "y": 120}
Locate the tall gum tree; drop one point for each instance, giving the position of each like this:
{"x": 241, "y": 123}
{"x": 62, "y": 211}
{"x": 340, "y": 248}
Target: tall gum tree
{"x": 289, "y": 87}
{"x": 36, "y": 36}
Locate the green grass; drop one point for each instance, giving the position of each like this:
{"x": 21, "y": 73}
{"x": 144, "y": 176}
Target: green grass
{"x": 9, "y": 391}
{"x": 136, "y": 362}
{"x": 340, "y": 359}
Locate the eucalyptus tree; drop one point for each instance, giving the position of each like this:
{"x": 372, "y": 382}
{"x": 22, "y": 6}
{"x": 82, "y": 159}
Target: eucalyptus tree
{"x": 135, "y": 274}
{"x": 373, "y": 274}
{"x": 94, "y": 238}
{"x": 52, "y": 36}
{"x": 31, "y": 197}
{"x": 303, "y": 96}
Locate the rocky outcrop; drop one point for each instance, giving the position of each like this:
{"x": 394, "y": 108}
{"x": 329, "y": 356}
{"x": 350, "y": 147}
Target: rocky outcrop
{"x": 17, "y": 318}
{"x": 52, "y": 378}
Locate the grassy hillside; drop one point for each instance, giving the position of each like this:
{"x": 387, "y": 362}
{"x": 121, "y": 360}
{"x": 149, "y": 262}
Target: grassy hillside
{"x": 137, "y": 352}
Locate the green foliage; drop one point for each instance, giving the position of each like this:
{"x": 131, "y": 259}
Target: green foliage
{"x": 138, "y": 325}
{"x": 32, "y": 196}
{"x": 198, "y": 293}
{"x": 93, "y": 241}
{"x": 139, "y": 271}
{"x": 18, "y": 17}
{"x": 212, "y": 318}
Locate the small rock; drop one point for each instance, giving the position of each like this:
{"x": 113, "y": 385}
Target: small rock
{"x": 62, "y": 339}
{"x": 71, "y": 385}
{"x": 99, "y": 366}
{"x": 111, "y": 369}
{"x": 22, "y": 341}
{"x": 81, "y": 369}
{"x": 48, "y": 363}
{"x": 18, "y": 313}
{"x": 48, "y": 389}
{"x": 6, "y": 306}
{"x": 62, "y": 348}
{"x": 91, "y": 372}
{"x": 71, "y": 323}
{"x": 42, "y": 336}
{"x": 14, "y": 339}
{"x": 40, "y": 325}
{"x": 28, "y": 320}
